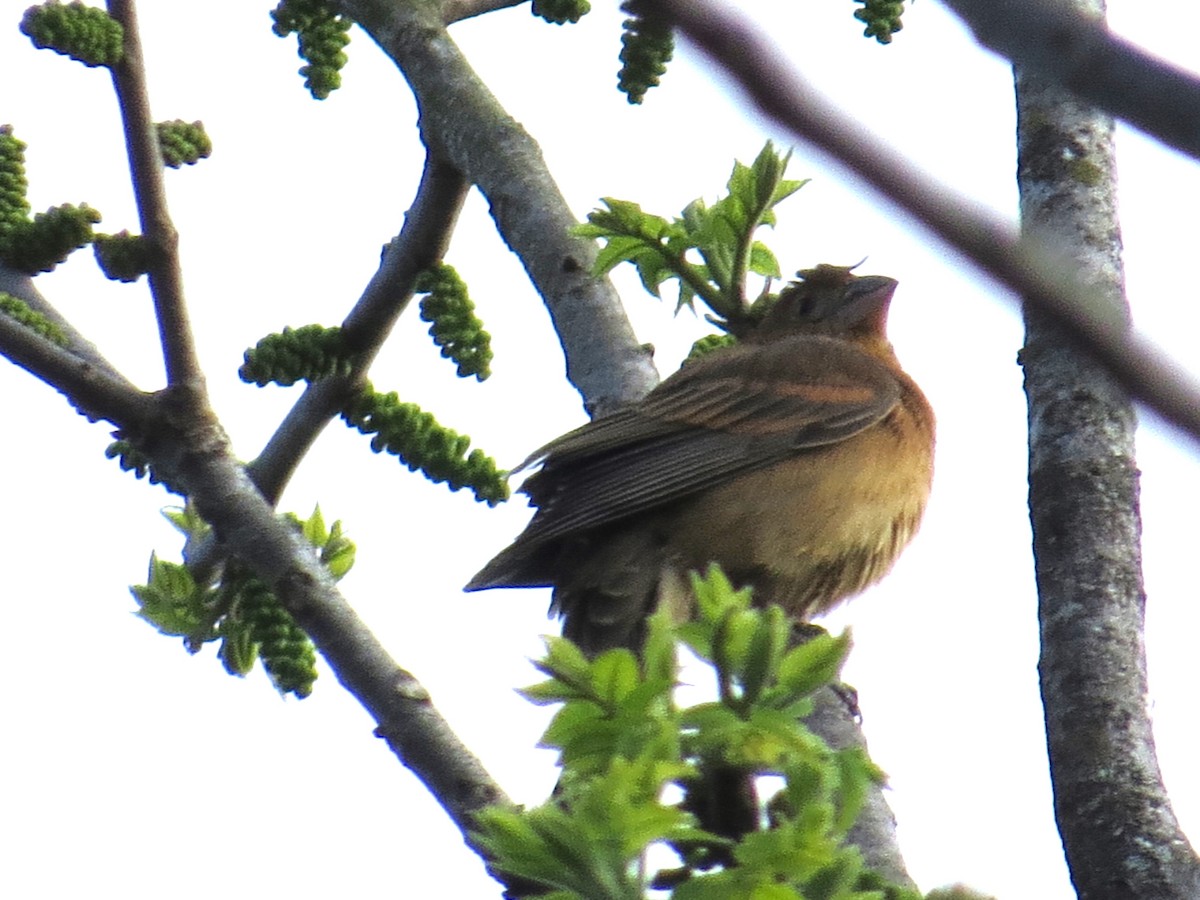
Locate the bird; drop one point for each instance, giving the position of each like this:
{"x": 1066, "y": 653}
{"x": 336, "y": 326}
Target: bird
{"x": 800, "y": 460}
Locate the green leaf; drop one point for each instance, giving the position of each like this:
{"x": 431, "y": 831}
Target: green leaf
{"x": 615, "y": 675}
{"x": 732, "y": 641}
{"x": 565, "y": 661}
{"x": 786, "y": 188}
{"x": 814, "y": 663}
{"x": 619, "y": 249}
{"x": 170, "y": 600}
{"x": 659, "y": 658}
{"x": 580, "y": 727}
{"x": 721, "y": 234}
{"x": 339, "y": 552}
{"x": 552, "y": 691}
{"x": 186, "y": 520}
{"x": 857, "y": 775}
{"x": 763, "y": 261}
{"x": 764, "y": 651}
{"x": 694, "y": 216}
{"x": 313, "y": 528}
{"x": 715, "y": 594}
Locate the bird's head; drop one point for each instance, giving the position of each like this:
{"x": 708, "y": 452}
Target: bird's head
{"x": 829, "y": 300}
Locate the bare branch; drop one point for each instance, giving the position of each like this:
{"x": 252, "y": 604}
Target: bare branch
{"x": 1064, "y": 46}
{"x": 21, "y": 286}
{"x": 1028, "y": 266}
{"x": 462, "y": 119}
{"x": 179, "y": 431}
{"x": 146, "y": 167}
{"x": 457, "y": 10}
{"x": 95, "y": 392}
{"x": 191, "y": 451}
{"x": 874, "y": 831}
{"x": 421, "y": 243}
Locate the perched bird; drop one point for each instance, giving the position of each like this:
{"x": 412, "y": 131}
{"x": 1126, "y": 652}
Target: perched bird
{"x": 799, "y": 459}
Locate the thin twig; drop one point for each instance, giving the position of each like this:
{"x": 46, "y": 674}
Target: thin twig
{"x": 21, "y": 286}
{"x": 146, "y": 167}
{"x": 187, "y": 444}
{"x": 93, "y": 391}
{"x": 421, "y": 243}
{"x": 1028, "y": 266}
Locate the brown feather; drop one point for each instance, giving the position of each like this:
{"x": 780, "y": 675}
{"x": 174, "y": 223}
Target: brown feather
{"x": 800, "y": 460}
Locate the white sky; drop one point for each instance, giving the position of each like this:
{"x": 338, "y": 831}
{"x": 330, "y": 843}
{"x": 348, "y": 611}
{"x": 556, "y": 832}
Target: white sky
{"x": 129, "y": 763}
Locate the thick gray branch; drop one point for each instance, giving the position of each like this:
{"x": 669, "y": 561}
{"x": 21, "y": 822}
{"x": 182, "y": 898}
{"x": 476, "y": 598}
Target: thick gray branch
{"x": 874, "y": 833}
{"x": 457, "y": 10}
{"x": 191, "y": 451}
{"x": 461, "y": 119}
{"x": 1120, "y": 835}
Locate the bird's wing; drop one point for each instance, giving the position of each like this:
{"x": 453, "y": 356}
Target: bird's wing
{"x": 721, "y": 416}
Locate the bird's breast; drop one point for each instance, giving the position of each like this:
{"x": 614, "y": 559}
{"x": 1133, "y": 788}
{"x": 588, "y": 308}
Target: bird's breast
{"x": 816, "y": 528}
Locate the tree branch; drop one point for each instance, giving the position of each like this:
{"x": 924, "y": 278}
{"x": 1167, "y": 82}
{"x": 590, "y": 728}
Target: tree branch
{"x": 421, "y": 243}
{"x": 462, "y": 119}
{"x": 874, "y": 831}
{"x": 1058, "y": 43}
{"x": 1029, "y": 266}
{"x": 95, "y": 392}
{"x": 179, "y": 431}
{"x": 457, "y": 10}
{"x": 1112, "y": 808}
{"x": 190, "y": 450}
{"x": 146, "y": 166}
{"x": 21, "y": 286}
{"x": 79, "y": 371}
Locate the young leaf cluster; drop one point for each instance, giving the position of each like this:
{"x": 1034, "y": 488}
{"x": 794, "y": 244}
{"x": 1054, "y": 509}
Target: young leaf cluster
{"x": 708, "y": 250}
{"x": 421, "y": 443}
{"x": 18, "y": 309}
{"x": 454, "y": 326}
{"x": 240, "y": 610}
{"x": 84, "y": 33}
{"x": 121, "y": 256}
{"x": 131, "y": 459}
{"x": 41, "y": 243}
{"x": 882, "y": 18}
{"x": 307, "y": 353}
{"x": 625, "y": 746}
{"x": 182, "y": 143}
{"x": 559, "y": 12}
{"x": 323, "y": 32}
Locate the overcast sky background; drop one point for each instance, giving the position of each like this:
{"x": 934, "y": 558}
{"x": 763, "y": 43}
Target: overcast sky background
{"x": 128, "y": 763}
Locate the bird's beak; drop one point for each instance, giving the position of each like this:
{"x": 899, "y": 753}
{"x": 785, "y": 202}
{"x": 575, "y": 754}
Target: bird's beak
{"x": 867, "y": 300}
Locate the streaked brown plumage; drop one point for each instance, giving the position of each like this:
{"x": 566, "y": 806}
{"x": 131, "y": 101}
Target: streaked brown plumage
{"x": 800, "y": 460}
